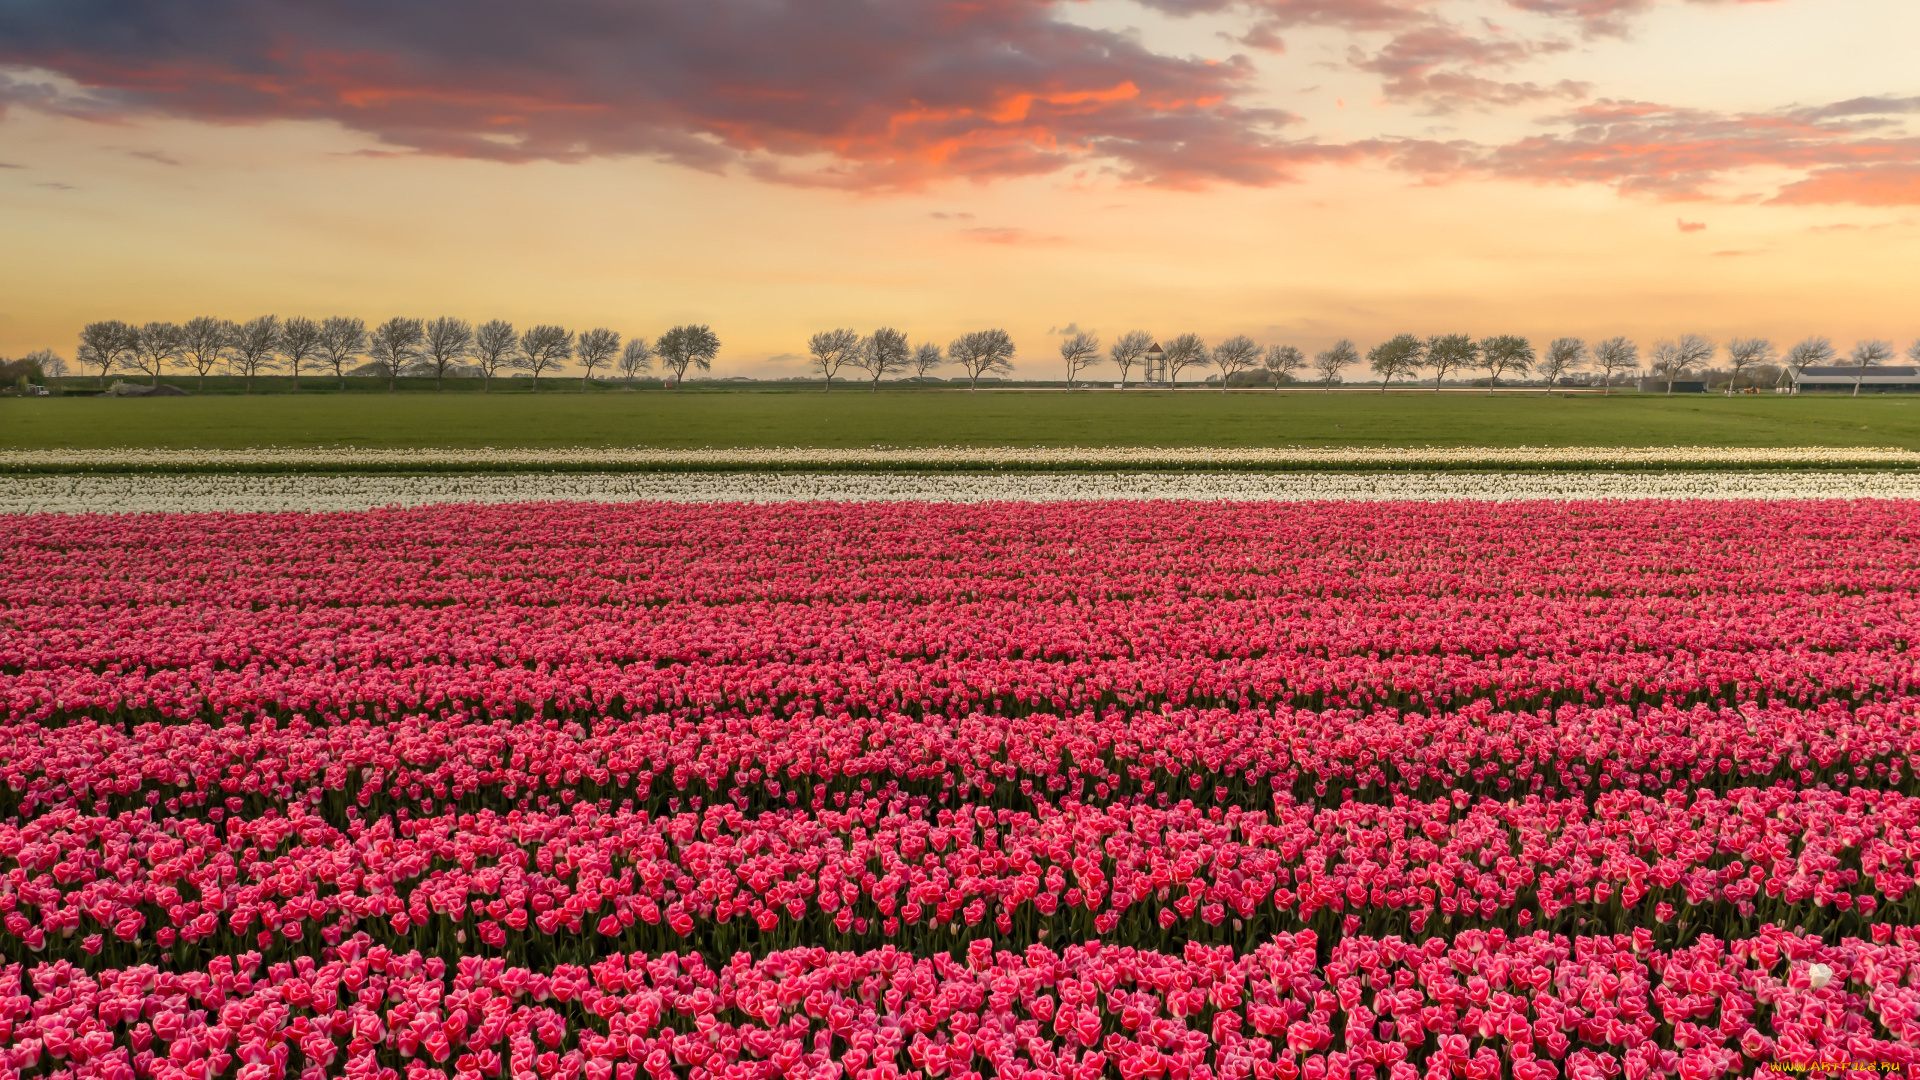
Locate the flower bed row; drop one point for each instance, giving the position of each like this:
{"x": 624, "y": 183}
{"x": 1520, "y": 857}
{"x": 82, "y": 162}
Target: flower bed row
{"x": 1480, "y": 1005}
{"x": 548, "y": 887}
{"x": 1216, "y": 757}
{"x": 146, "y": 493}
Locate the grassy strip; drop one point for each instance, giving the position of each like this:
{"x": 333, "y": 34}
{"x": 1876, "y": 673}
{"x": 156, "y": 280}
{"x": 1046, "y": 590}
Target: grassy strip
{"x": 852, "y": 419}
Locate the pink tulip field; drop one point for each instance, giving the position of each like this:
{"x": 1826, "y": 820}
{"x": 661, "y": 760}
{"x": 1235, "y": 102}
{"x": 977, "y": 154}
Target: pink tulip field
{"x": 1149, "y": 791}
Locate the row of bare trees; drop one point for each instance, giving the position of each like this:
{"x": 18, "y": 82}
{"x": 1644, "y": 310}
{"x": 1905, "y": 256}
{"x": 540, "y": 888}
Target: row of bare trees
{"x": 886, "y": 351}
{"x": 399, "y": 346}
{"x": 1404, "y": 356}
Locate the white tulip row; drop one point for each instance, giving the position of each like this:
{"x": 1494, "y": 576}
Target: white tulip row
{"x": 70, "y": 494}
{"x": 351, "y": 459}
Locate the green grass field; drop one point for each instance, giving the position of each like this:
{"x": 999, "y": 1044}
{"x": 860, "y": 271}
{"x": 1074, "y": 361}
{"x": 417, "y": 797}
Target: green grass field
{"x": 697, "y": 418}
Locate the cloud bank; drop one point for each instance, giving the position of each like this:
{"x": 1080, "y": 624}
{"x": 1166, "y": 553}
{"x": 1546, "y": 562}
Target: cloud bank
{"x": 898, "y": 94}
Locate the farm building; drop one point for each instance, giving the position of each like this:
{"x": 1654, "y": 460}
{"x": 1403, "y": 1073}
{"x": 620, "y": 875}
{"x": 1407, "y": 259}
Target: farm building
{"x": 1873, "y": 380}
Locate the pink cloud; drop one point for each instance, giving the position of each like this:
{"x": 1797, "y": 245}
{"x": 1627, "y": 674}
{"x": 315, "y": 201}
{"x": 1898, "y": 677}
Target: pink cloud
{"x": 1889, "y": 184}
{"x": 1690, "y": 154}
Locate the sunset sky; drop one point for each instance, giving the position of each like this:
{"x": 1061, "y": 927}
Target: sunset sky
{"x": 1296, "y": 170}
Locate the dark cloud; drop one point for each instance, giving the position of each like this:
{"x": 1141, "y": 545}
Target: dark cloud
{"x": 853, "y": 93}
{"x": 1604, "y": 18}
{"x": 155, "y": 156}
{"x": 1286, "y": 14}
{"x": 1434, "y": 65}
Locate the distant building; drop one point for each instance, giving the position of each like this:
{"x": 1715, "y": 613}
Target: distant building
{"x": 1874, "y": 380}
{"x": 1156, "y": 364}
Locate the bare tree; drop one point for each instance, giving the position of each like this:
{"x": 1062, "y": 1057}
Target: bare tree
{"x": 1331, "y": 361}
{"x": 1233, "y": 356}
{"x": 1281, "y": 362}
{"x": 156, "y": 346}
{"x": 1746, "y": 352}
{"x": 1563, "y": 355}
{"x": 596, "y": 347}
{"x": 299, "y": 341}
{"x": 1504, "y": 354}
{"x": 256, "y": 347}
{"x": 636, "y": 358}
{"x": 1183, "y": 352}
{"x": 1612, "y": 356}
{"x": 831, "y": 350}
{"x": 394, "y": 345}
{"x": 341, "y": 339}
{"x": 982, "y": 352}
{"x": 692, "y": 345}
{"x": 1450, "y": 352}
{"x": 1868, "y": 354}
{"x": 52, "y": 364}
{"x": 543, "y": 347}
{"x": 1128, "y": 350}
{"x": 1813, "y": 352}
{"x": 1397, "y": 356}
{"x": 443, "y": 342}
{"x": 925, "y": 358}
{"x": 105, "y": 345}
{"x": 493, "y": 345}
{"x": 1671, "y": 358}
{"x": 883, "y": 352}
{"x": 1081, "y": 351}
{"x": 204, "y": 343}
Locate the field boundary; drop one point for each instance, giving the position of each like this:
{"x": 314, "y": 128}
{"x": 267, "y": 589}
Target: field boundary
{"x": 350, "y": 460}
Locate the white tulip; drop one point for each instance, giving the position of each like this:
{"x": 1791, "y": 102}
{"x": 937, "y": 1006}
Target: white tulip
{"x": 1819, "y": 975}
{"x": 280, "y": 492}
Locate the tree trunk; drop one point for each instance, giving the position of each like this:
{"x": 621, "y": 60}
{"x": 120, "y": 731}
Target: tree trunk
{"x": 203, "y": 382}
{"x": 583, "y": 381}
{"x": 249, "y": 380}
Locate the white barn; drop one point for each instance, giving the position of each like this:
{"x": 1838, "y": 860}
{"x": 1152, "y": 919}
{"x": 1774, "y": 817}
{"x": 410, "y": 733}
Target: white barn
{"x": 1874, "y": 380}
